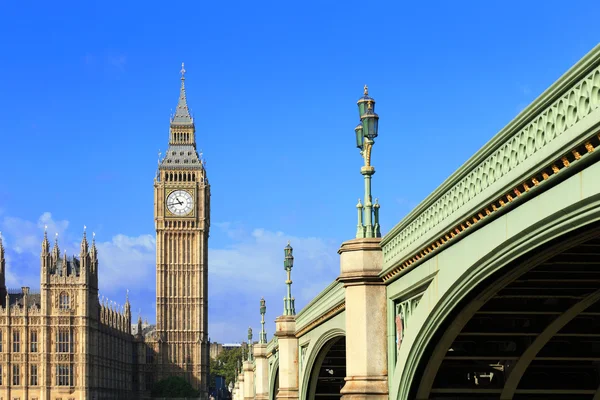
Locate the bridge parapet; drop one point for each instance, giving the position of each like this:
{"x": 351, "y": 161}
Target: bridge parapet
{"x": 552, "y": 133}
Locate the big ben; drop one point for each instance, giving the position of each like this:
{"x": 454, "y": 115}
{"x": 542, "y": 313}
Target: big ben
{"x": 182, "y": 219}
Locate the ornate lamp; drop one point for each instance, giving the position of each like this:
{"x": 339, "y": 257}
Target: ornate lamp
{"x": 358, "y": 131}
{"x": 370, "y": 122}
{"x": 362, "y": 102}
{"x": 288, "y": 264}
{"x": 366, "y": 132}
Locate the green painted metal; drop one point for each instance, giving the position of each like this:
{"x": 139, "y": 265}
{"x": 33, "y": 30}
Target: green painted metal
{"x": 250, "y": 355}
{"x": 366, "y": 132}
{"x": 263, "y": 310}
{"x": 288, "y": 263}
{"x": 454, "y": 272}
{"x": 310, "y": 346}
{"x": 545, "y": 130}
{"x": 332, "y": 296}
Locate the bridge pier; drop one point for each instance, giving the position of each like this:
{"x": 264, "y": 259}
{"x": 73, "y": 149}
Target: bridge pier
{"x": 361, "y": 261}
{"x": 288, "y": 357}
{"x": 248, "y": 380}
{"x": 240, "y": 392}
{"x": 261, "y": 378}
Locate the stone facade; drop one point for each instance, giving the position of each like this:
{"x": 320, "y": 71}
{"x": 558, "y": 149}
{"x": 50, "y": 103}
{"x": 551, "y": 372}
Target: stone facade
{"x": 65, "y": 343}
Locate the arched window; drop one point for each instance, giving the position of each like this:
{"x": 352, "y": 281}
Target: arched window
{"x": 64, "y": 301}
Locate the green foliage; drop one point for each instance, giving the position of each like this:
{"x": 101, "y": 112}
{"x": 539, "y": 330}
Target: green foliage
{"x": 225, "y": 365}
{"x": 173, "y": 387}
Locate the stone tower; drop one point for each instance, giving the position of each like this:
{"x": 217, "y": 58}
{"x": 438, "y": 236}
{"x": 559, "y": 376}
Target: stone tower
{"x": 182, "y": 221}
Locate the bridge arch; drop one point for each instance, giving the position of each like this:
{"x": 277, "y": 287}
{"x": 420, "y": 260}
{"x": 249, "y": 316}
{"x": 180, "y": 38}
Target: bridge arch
{"x": 549, "y": 237}
{"x": 317, "y": 356}
{"x": 274, "y": 380}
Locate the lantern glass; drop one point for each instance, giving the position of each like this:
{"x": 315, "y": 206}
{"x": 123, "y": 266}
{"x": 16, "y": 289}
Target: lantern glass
{"x": 370, "y": 123}
{"x": 362, "y": 107}
{"x": 359, "y": 136}
{"x": 367, "y": 123}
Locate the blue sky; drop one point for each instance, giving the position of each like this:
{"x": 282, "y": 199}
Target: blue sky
{"x": 86, "y": 90}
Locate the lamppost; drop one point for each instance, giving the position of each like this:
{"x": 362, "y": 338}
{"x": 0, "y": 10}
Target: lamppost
{"x": 250, "y": 355}
{"x": 263, "y": 310}
{"x": 288, "y": 264}
{"x": 366, "y": 132}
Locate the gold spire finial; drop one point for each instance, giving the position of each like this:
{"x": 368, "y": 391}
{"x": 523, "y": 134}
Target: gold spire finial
{"x": 182, "y": 71}
{"x": 366, "y": 90}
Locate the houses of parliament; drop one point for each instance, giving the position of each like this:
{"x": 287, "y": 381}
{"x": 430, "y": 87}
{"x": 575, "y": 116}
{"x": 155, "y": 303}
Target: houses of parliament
{"x": 64, "y": 343}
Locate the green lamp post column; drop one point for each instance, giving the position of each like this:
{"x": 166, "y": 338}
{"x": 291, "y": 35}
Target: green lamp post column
{"x": 365, "y": 133}
{"x": 250, "y": 344}
{"x": 288, "y": 264}
{"x": 263, "y": 310}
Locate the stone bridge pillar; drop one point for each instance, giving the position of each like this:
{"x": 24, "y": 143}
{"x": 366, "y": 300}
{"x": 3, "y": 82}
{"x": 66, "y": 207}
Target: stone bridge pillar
{"x": 262, "y": 371}
{"x": 361, "y": 261}
{"x": 288, "y": 357}
{"x": 248, "y": 380}
{"x": 241, "y": 390}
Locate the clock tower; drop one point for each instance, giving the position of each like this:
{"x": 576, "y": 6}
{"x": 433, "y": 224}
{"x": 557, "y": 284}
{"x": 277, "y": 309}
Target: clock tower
{"x": 182, "y": 220}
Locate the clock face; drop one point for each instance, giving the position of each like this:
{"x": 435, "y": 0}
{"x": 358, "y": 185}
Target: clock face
{"x": 180, "y": 202}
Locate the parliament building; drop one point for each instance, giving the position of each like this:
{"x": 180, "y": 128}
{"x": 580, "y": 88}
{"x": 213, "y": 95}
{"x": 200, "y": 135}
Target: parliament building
{"x": 64, "y": 343}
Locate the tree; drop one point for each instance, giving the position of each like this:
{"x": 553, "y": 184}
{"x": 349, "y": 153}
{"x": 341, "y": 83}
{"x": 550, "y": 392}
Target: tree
{"x": 225, "y": 365}
{"x": 173, "y": 387}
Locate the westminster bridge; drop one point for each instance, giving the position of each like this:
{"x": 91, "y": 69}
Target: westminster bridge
{"x": 488, "y": 289}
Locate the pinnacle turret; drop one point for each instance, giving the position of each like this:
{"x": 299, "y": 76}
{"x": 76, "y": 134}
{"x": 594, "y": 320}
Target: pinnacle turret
{"x": 84, "y": 244}
{"x": 94, "y": 251}
{"x": 45, "y": 242}
{"x": 1, "y": 250}
{"x": 55, "y": 249}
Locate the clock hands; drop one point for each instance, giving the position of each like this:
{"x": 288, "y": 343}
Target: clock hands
{"x": 178, "y": 202}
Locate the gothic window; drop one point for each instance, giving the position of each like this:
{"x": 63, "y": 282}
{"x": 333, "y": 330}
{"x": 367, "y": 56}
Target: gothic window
{"x": 33, "y": 342}
{"x": 149, "y": 356}
{"x": 64, "y": 374}
{"x": 64, "y": 301}
{"x": 16, "y": 341}
{"x": 149, "y": 380}
{"x": 0, "y": 375}
{"x": 16, "y": 375}
{"x": 0, "y": 342}
{"x": 33, "y": 375}
{"x": 64, "y": 341}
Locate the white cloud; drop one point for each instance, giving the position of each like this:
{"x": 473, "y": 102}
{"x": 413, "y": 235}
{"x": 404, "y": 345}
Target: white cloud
{"x": 252, "y": 267}
{"x": 249, "y": 267}
{"x": 126, "y": 262}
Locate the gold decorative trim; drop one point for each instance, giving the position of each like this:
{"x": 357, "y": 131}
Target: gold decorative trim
{"x": 328, "y": 315}
{"x": 573, "y": 156}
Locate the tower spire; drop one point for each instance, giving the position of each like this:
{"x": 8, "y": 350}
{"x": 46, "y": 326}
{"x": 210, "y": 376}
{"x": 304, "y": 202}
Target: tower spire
{"x": 1, "y": 250}
{"x": 182, "y": 113}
